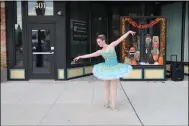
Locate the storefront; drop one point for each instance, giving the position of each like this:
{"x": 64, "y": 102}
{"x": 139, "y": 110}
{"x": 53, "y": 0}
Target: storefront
{"x": 42, "y": 38}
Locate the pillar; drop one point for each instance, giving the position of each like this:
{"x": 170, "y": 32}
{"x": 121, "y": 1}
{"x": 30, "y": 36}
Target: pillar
{"x": 3, "y": 43}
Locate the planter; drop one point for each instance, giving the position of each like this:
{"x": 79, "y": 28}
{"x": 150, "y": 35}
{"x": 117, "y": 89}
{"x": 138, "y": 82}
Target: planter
{"x": 3, "y": 75}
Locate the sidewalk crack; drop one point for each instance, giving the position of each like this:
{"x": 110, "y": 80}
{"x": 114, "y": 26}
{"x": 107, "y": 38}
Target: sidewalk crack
{"x": 131, "y": 104}
{"x": 51, "y": 106}
{"x": 93, "y": 92}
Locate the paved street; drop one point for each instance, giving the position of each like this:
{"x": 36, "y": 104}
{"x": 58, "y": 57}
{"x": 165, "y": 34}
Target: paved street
{"x": 80, "y": 102}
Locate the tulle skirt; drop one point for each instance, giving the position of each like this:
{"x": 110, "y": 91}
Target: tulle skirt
{"x": 104, "y": 72}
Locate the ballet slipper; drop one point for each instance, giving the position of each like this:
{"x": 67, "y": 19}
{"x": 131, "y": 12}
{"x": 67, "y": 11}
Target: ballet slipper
{"x": 107, "y": 105}
{"x": 114, "y": 108}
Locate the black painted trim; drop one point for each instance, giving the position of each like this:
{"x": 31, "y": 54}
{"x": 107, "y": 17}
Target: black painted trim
{"x": 17, "y": 79}
{"x": 183, "y": 29}
{"x": 25, "y": 38}
{"x": 65, "y": 74}
{"x": 184, "y": 73}
{"x": 169, "y": 62}
{"x": 143, "y": 17}
{"x": 81, "y": 65}
{"x": 143, "y": 79}
{"x": 79, "y": 76}
{"x": 67, "y": 35}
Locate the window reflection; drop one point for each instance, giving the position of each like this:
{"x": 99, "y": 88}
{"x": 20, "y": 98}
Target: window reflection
{"x": 18, "y": 45}
{"x": 36, "y": 8}
{"x": 79, "y": 32}
{"x": 41, "y": 43}
{"x": 40, "y": 40}
{"x": 99, "y": 26}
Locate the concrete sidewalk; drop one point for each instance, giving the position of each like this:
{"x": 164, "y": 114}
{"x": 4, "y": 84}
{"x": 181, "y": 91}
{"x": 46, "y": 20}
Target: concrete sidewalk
{"x": 80, "y": 102}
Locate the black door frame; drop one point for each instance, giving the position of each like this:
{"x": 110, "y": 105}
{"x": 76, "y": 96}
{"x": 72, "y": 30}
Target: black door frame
{"x": 52, "y": 28}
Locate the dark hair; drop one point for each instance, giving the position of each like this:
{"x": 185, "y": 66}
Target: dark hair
{"x": 102, "y": 37}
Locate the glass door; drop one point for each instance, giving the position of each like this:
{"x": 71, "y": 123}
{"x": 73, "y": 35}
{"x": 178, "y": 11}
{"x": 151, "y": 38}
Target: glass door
{"x": 41, "y": 51}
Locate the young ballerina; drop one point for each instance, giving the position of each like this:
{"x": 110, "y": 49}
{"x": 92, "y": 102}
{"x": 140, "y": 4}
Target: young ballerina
{"x": 110, "y": 71}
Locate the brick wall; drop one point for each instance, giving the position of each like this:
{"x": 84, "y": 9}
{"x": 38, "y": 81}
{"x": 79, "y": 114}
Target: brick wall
{"x": 3, "y": 42}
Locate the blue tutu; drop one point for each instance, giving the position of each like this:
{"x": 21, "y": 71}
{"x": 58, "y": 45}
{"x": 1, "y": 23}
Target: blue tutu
{"x": 111, "y": 69}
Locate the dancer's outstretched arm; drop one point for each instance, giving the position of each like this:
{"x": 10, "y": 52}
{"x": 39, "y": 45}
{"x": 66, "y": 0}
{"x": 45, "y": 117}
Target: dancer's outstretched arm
{"x": 95, "y": 54}
{"x": 115, "y": 43}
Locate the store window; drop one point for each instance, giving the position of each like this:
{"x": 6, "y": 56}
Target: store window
{"x": 79, "y": 31}
{"x": 43, "y": 7}
{"x": 114, "y": 28}
{"x": 17, "y": 60}
{"x": 99, "y": 25}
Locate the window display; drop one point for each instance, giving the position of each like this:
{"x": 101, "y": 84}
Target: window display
{"x": 147, "y": 47}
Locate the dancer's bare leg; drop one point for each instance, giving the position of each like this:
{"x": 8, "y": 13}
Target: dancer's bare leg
{"x": 114, "y": 92}
{"x": 107, "y": 93}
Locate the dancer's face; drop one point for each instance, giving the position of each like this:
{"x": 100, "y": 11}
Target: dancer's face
{"x": 100, "y": 42}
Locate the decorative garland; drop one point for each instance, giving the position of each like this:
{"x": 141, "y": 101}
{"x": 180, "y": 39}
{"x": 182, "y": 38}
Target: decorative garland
{"x": 134, "y": 24}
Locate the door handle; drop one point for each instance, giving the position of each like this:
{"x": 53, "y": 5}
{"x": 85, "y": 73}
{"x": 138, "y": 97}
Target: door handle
{"x": 44, "y": 53}
{"x": 52, "y": 48}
